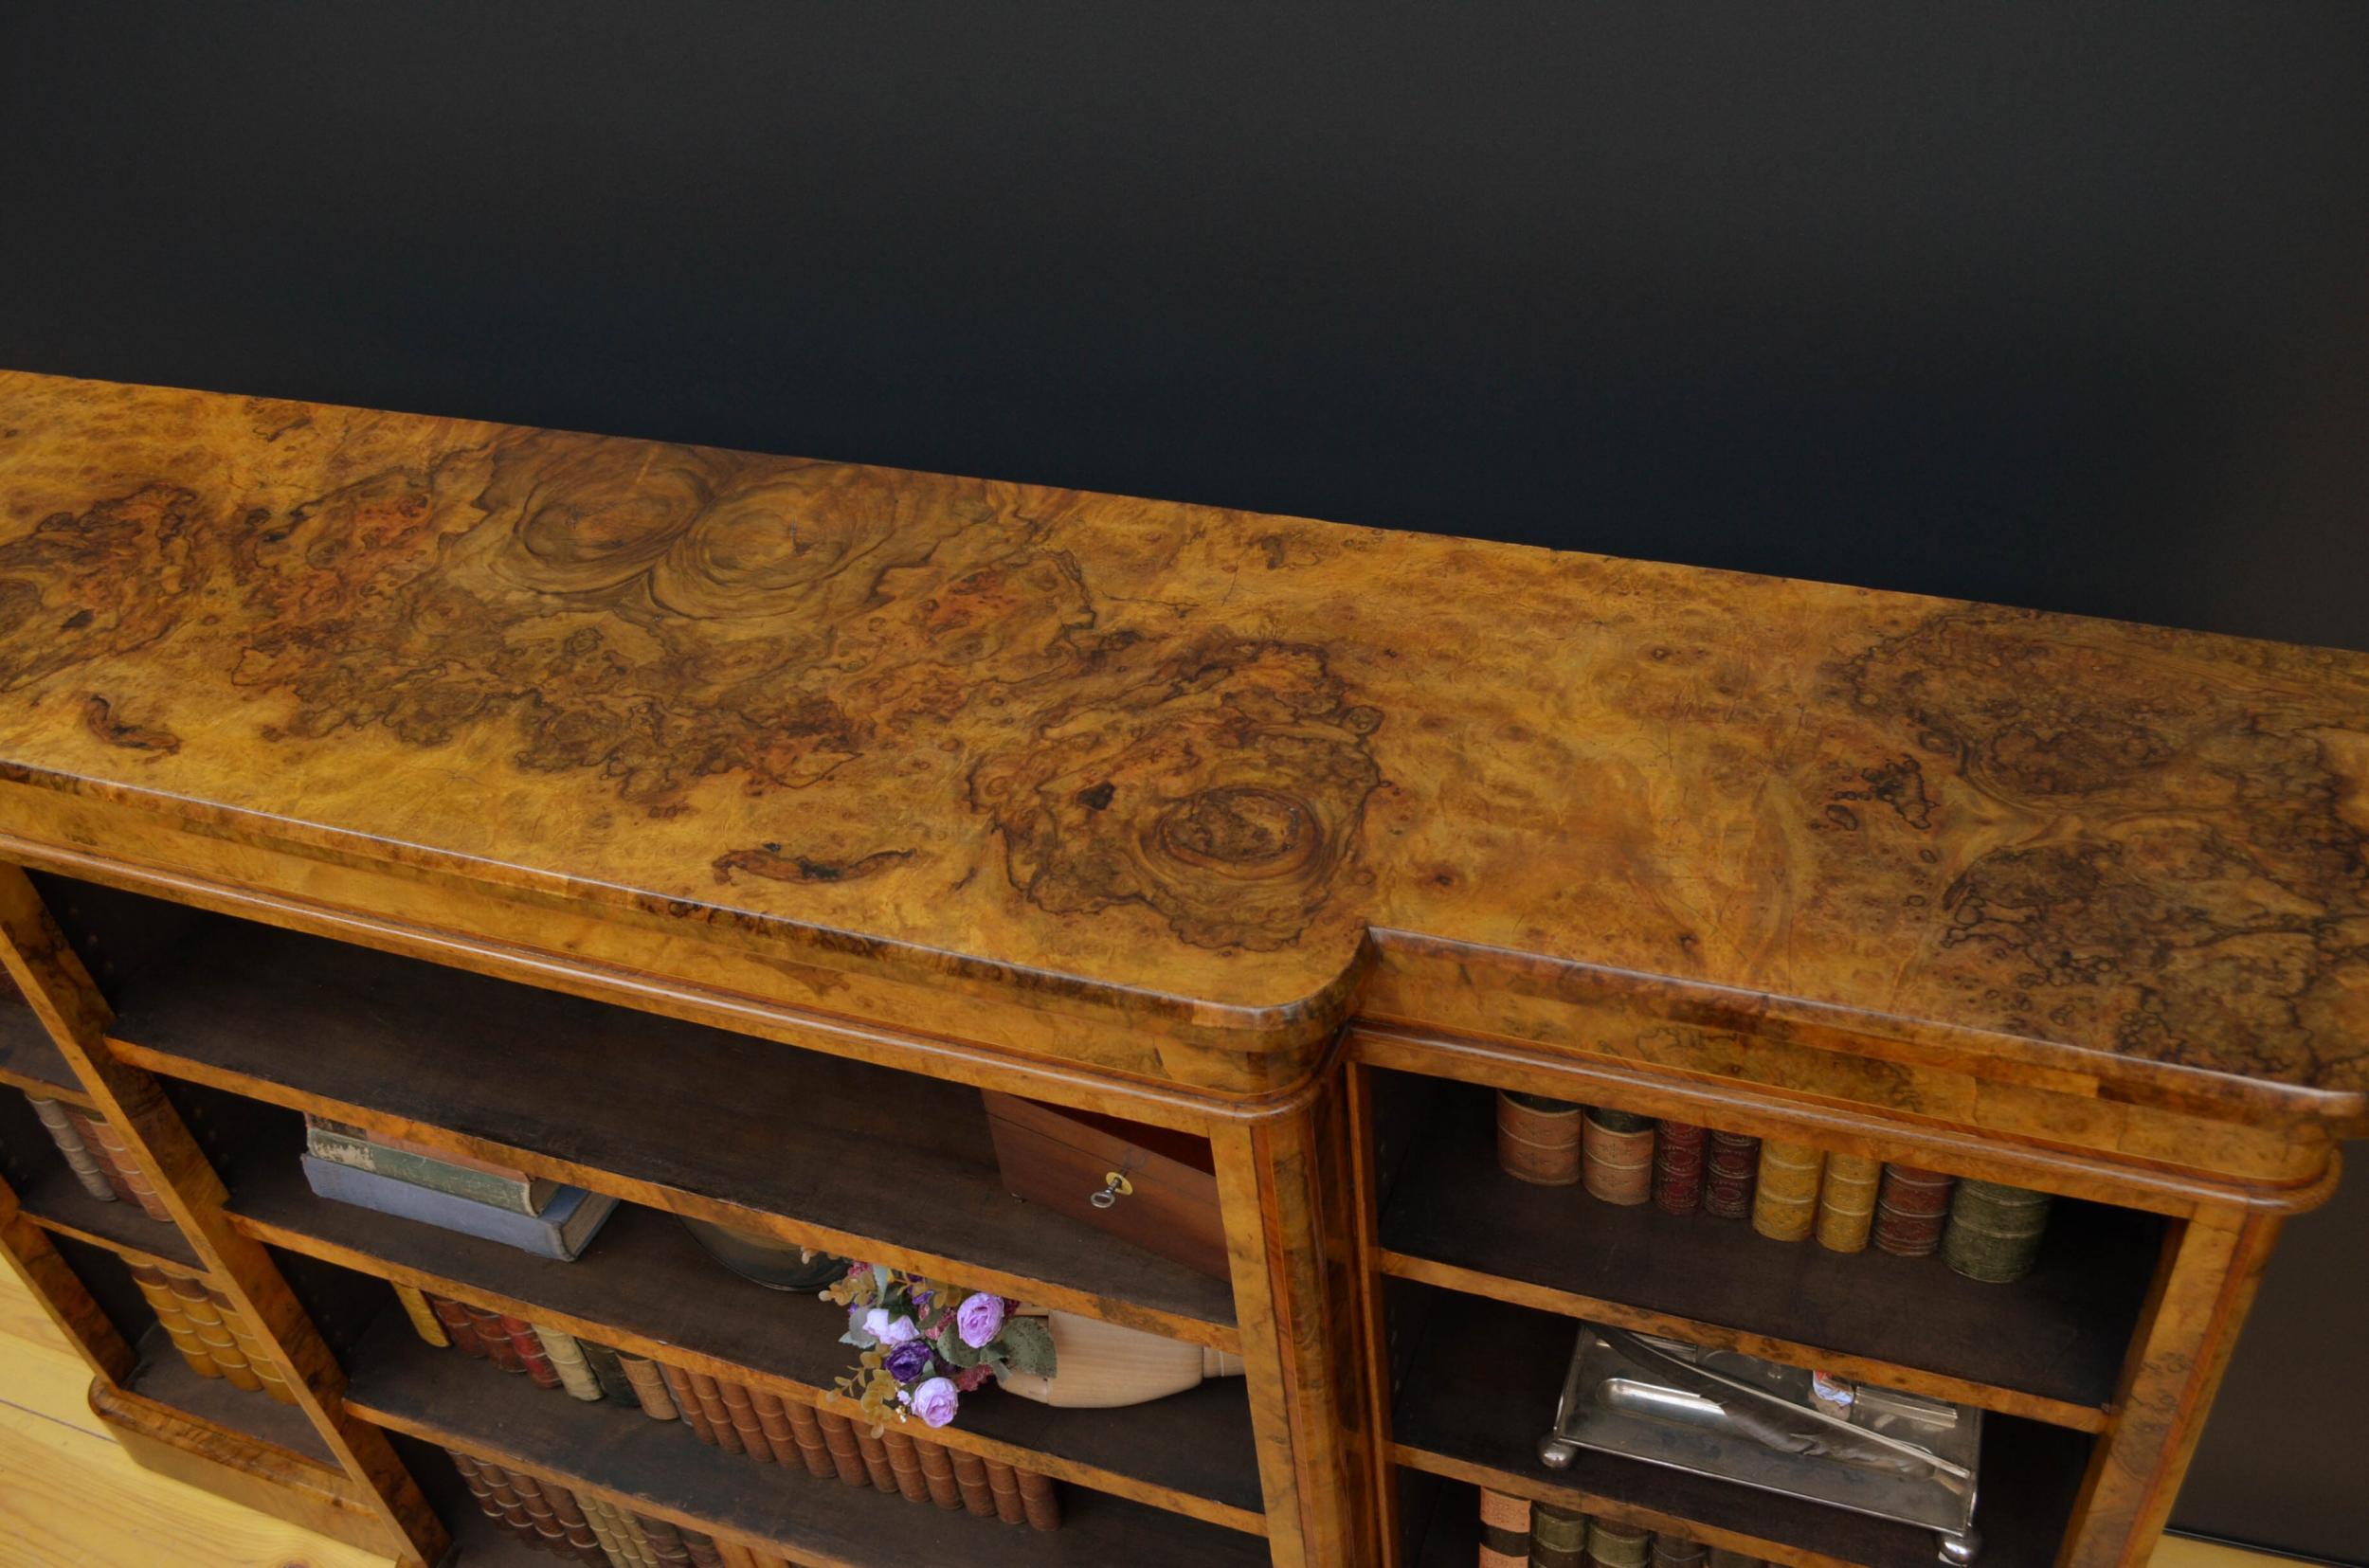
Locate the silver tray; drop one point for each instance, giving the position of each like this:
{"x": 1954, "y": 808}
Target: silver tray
{"x": 1722, "y": 1414}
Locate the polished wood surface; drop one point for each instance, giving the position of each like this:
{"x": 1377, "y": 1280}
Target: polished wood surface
{"x": 1079, "y": 757}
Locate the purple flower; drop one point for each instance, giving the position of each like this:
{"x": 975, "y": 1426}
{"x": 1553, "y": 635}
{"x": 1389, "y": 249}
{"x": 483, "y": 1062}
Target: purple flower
{"x": 935, "y": 1401}
{"x": 909, "y": 1361}
{"x": 979, "y": 1320}
{"x": 878, "y": 1324}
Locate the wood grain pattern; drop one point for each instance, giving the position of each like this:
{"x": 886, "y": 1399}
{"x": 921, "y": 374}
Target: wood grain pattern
{"x": 1194, "y": 769}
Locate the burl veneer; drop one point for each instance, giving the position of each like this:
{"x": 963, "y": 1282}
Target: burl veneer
{"x": 1147, "y": 807}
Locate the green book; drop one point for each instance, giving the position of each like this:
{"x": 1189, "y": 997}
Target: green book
{"x": 497, "y": 1188}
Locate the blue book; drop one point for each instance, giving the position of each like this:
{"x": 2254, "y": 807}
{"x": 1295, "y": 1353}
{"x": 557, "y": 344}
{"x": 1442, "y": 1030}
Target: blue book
{"x": 567, "y": 1223}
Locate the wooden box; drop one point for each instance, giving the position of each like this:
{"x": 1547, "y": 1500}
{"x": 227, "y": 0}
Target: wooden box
{"x": 1063, "y": 1159}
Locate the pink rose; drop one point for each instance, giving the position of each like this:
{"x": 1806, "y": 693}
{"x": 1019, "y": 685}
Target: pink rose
{"x": 935, "y": 1401}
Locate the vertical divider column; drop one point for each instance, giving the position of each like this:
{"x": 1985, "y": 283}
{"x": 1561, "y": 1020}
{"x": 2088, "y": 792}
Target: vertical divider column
{"x": 1284, "y": 1186}
{"x": 54, "y": 982}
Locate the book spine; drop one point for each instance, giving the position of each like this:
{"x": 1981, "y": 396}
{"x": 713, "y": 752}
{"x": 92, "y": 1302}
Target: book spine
{"x": 259, "y": 1356}
{"x": 119, "y": 1154}
{"x": 772, "y": 1415}
{"x": 711, "y": 1403}
{"x": 1678, "y": 1167}
{"x": 1912, "y": 1206}
{"x": 1003, "y": 1482}
{"x": 1726, "y": 1557}
{"x": 1994, "y": 1231}
{"x": 649, "y": 1386}
{"x": 1676, "y": 1551}
{"x": 421, "y": 1315}
{"x": 421, "y": 1171}
{"x": 460, "y": 1327}
{"x": 971, "y": 1476}
{"x": 529, "y": 1347}
{"x": 500, "y": 1348}
{"x": 86, "y": 1127}
{"x": 1846, "y": 1202}
{"x": 608, "y": 1372}
{"x": 666, "y": 1543}
{"x": 541, "y": 1517}
{"x": 807, "y": 1434}
{"x": 1558, "y": 1536}
{"x": 937, "y": 1473}
{"x": 703, "y": 1549}
{"x": 601, "y": 1516}
{"x": 1785, "y": 1207}
{"x": 1731, "y": 1166}
{"x": 491, "y": 1487}
{"x": 905, "y": 1462}
{"x": 1039, "y": 1501}
{"x": 637, "y": 1539}
{"x": 1616, "y": 1155}
{"x": 838, "y": 1436}
{"x": 220, "y": 1343}
{"x": 741, "y": 1411}
{"x": 156, "y": 1287}
{"x": 582, "y": 1544}
{"x": 877, "y": 1471}
{"x": 79, "y": 1159}
{"x": 686, "y": 1401}
{"x": 1504, "y": 1540}
{"x": 545, "y": 1235}
{"x": 1538, "y": 1139}
{"x": 567, "y": 1358}
{"x": 1611, "y": 1546}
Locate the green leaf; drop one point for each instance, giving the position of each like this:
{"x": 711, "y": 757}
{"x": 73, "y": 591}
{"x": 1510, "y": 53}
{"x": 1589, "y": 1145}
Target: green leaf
{"x": 1027, "y": 1345}
{"x": 951, "y": 1349}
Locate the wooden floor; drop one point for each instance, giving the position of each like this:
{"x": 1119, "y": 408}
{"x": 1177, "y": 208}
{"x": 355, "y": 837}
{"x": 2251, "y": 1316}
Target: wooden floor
{"x": 70, "y": 1499}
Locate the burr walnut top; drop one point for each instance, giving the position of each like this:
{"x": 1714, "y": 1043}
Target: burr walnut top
{"x": 1186, "y": 757}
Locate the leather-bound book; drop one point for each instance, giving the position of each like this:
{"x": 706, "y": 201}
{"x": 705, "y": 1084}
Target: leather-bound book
{"x": 608, "y": 1371}
{"x": 1004, "y": 1481}
{"x": 1039, "y": 1501}
{"x": 970, "y": 1477}
{"x": 88, "y": 1172}
{"x": 87, "y": 1126}
{"x": 1676, "y": 1551}
{"x": 649, "y": 1386}
{"x": 1731, "y": 1167}
{"x": 607, "y": 1530}
{"x": 421, "y": 1315}
{"x": 1616, "y": 1155}
{"x": 581, "y": 1543}
{"x": 1678, "y": 1150}
{"x": 687, "y": 1404}
{"x": 874, "y": 1454}
{"x": 1504, "y": 1540}
{"x": 156, "y": 1287}
{"x": 508, "y": 1507}
{"x": 567, "y": 1358}
{"x": 807, "y": 1434}
{"x": 937, "y": 1473}
{"x": 637, "y": 1539}
{"x": 251, "y": 1345}
{"x": 905, "y": 1460}
{"x": 1995, "y": 1230}
{"x": 772, "y": 1414}
{"x": 1558, "y": 1537}
{"x": 1611, "y": 1546}
{"x": 458, "y": 1326}
{"x": 710, "y": 1402}
{"x": 220, "y": 1343}
{"x": 530, "y": 1348}
{"x": 1846, "y": 1202}
{"x": 838, "y": 1436}
{"x": 500, "y": 1347}
{"x": 665, "y": 1541}
{"x": 741, "y": 1411}
{"x": 1538, "y": 1138}
{"x": 1911, "y": 1208}
{"x": 1785, "y": 1206}
{"x": 119, "y": 1153}
{"x": 539, "y": 1513}
{"x": 703, "y": 1549}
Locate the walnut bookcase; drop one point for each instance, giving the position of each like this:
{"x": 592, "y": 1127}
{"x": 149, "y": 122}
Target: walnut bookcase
{"x": 708, "y": 829}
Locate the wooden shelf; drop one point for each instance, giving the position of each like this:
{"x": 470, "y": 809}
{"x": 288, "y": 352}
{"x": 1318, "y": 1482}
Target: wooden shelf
{"x": 55, "y": 1201}
{"x": 477, "y": 1543}
{"x": 1480, "y": 1389}
{"x": 31, "y": 1060}
{"x": 2050, "y": 1346}
{"x": 163, "y": 1377}
{"x": 862, "y": 1160}
{"x": 646, "y": 1285}
{"x": 447, "y": 1398}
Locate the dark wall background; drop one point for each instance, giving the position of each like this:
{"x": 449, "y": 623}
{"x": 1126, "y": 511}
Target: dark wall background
{"x": 2055, "y": 305}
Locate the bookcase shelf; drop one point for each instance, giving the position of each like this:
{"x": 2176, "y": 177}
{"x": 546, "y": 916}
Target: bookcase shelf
{"x": 443, "y": 1398}
{"x": 858, "y": 1160}
{"x": 2049, "y": 1346}
{"x": 644, "y": 1284}
{"x": 30, "y": 1060}
{"x": 55, "y": 1201}
{"x": 1479, "y": 1391}
{"x": 163, "y": 1377}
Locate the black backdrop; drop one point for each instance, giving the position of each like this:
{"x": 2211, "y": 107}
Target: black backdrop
{"x": 2055, "y": 306}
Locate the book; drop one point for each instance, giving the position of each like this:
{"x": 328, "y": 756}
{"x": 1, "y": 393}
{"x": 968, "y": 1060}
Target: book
{"x": 478, "y": 1181}
{"x": 567, "y": 1224}
{"x": 608, "y": 1372}
{"x": 79, "y": 1157}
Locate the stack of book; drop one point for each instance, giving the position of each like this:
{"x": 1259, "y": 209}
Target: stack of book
{"x": 1517, "y": 1533}
{"x": 453, "y": 1191}
{"x": 587, "y": 1528}
{"x": 212, "y": 1336}
{"x": 757, "y": 1423}
{"x": 1790, "y": 1192}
